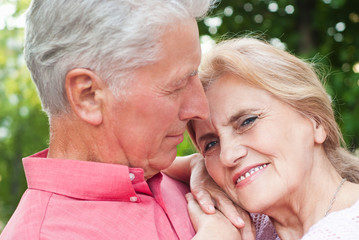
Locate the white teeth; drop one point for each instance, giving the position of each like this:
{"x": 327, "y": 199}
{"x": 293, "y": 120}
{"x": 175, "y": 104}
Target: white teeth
{"x": 250, "y": 172}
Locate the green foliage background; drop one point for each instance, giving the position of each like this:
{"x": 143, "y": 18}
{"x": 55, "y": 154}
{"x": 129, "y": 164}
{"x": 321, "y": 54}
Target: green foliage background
{"x": 326, "y": 30}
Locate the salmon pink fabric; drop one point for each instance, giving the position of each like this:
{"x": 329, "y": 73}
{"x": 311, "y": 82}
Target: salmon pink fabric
{"x": 72, "y": 199}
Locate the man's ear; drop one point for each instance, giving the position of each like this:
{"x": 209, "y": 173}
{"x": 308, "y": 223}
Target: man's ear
{"x": 84, "y": 93}
{"x": 319, "y": 132}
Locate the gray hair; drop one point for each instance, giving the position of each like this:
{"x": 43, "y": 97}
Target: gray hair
{"x": 109, "y": 37}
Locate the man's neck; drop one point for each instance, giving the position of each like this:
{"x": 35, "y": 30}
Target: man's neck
{"x": 71, "y": 138}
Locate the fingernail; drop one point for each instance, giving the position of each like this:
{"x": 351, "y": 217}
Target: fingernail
{"x": 240, "y": 221}
{"x": 188, "y": 196}
{"x": 210, "y": 208}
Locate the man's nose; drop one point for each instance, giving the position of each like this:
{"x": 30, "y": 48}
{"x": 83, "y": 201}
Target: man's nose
{"x": 195, "y": 105}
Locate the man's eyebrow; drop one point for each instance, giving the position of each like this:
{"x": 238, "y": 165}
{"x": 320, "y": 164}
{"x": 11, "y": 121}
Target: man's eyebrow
{"x": 190, "y": 74}
{"x": 193, "y": 73}
{"x": 183, "y": 79}
{"x": 206, "y": 136}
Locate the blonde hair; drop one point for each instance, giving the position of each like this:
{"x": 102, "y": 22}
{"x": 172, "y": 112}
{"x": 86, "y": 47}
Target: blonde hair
{"x": 287, "y": 77}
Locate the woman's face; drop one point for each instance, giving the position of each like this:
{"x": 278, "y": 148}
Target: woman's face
{"x": 256, "y": 147}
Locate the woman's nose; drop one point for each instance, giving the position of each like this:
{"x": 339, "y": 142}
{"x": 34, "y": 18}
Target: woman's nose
{"x": 231, "y": 152}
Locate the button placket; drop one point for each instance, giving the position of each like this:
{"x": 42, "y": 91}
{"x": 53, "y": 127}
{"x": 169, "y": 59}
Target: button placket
{"x": 132, "y": 176}
{"x": 133, "y": 198}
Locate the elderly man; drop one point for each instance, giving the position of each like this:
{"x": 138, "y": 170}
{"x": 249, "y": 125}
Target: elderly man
{"x": 118, "y": 80}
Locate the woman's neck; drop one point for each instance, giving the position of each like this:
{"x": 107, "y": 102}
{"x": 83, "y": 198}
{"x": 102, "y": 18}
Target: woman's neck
{"x": 293, "y": 215}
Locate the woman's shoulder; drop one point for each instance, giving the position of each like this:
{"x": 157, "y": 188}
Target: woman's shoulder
{"x": 343, "y": 224}
{"x": 264, "y": 227}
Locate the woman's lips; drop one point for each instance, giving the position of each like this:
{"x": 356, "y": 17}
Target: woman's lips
{"x": 247, "y": 174}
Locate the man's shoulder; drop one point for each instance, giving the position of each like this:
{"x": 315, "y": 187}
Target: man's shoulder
{"x": 170, "y": 183}
{"x": 28, "y": 217}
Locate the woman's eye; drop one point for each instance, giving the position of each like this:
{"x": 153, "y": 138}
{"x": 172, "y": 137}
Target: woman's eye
{"x": 249, "y": 121}
{"x": 246, "y": 124}
{"x": 210, "y": 145}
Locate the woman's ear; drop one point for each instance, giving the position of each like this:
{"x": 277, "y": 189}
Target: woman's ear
{"x": 83, "y": 90}
{"x": 319, "y": 132}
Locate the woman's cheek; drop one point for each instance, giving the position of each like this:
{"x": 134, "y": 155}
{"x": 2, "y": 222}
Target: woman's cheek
{"x": 214, "y": 168}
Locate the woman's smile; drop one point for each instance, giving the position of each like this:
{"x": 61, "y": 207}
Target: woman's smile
{"x": 248, "y": 174}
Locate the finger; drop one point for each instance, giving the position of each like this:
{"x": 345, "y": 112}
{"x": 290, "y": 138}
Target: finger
{"x": 194, "y": 210}
{"x": 234, "y": 214}
{"x": 189, "y": 197}
{"x": 193, "y": 204}
{"x": 205, "y": 201}
{"x": 248, "y": 232}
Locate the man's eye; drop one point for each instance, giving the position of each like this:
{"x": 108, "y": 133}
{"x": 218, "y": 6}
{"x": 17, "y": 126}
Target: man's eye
{"x": 193, "y": 73}
{"x": 210, "y": 145}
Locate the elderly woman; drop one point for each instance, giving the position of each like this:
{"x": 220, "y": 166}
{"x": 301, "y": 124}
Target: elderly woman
{"x": 272, "y": 142}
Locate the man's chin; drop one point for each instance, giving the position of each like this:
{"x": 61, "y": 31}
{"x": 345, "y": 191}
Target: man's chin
{"x": 150, "y": 172}
{"x": 148, "y": 176}
{"x": 160, "y": 163}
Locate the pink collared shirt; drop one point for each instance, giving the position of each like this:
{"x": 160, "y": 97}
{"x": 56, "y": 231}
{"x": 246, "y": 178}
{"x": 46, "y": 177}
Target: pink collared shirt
{"x": 71, "y": 199}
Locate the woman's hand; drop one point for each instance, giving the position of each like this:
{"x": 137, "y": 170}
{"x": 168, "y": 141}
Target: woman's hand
{"x": 191, "y": 169}
{"x": 213, "y": 226}
{"x": 209, "y": 195}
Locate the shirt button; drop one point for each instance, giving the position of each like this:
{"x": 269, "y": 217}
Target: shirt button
{"x": 132, "y": 176}
{"x": 133, "y": 199}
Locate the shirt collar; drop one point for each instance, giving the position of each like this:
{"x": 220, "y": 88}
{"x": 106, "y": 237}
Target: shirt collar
{"x": 84, "y": 179}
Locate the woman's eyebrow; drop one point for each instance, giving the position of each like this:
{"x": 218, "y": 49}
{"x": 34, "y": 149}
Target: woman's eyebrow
{"x": 206, "y": 136}
{"x": 235, "y": 117}
{"x": 239, "y": 114}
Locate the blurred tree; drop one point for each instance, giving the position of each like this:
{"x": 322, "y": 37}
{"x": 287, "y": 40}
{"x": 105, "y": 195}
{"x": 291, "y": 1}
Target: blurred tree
{"x": 23, "y": 127}
{"x": 325, "y": 30}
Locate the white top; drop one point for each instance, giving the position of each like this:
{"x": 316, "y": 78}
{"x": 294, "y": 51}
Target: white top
{"x": 342, "y": 224}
